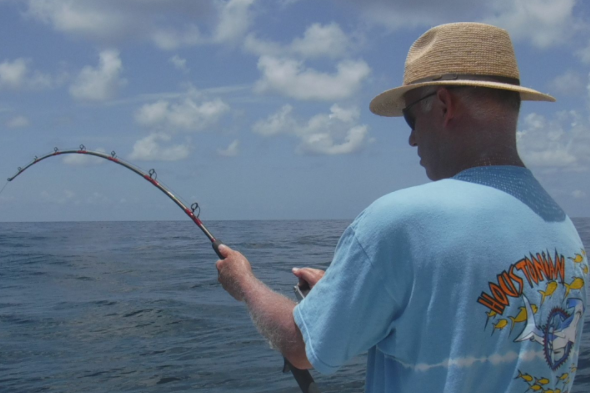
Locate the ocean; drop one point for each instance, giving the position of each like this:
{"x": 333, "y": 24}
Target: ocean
{"x": 136, "y": 307}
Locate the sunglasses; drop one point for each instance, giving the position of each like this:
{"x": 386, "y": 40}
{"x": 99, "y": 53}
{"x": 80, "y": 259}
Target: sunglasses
{"x": 411, "y": 119}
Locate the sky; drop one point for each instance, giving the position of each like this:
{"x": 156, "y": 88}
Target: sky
{"x": 255, "y": 109}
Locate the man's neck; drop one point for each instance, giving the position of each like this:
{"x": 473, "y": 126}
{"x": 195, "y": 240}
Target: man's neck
{"x": 496, "y": 160}
{"x": 492, "y": 144}
{"x": 489, "y": 159}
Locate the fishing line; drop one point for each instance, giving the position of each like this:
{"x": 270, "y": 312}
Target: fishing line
{"x": 303, "y": 377}
{"x": 3, "y": 187}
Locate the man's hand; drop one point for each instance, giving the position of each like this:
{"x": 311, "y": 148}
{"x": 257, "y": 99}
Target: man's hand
{"x": 271, "y": 312}
{"x": 308, "y": 277}
{"x": 235, "y": 272}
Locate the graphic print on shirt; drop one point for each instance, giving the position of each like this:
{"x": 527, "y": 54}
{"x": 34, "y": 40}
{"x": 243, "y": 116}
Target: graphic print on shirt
{"x": 552, "y": 320}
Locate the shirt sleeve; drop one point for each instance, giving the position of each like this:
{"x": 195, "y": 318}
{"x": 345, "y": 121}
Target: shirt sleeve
{"x": 349, "y": 311}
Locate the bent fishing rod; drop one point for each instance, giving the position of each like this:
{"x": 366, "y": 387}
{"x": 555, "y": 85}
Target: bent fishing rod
{"x": 151, "y": 176}
{"x": 303, "y": 377}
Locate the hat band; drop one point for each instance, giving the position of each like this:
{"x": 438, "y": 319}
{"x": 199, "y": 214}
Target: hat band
{"x": 452, "y": 77}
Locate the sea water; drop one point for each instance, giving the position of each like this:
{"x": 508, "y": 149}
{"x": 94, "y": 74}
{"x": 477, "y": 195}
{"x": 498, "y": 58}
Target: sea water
{"x": 136, "y": 307}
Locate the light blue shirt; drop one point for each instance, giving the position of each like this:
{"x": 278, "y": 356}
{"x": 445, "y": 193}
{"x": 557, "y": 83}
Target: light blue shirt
{"x": 474, "y": 283}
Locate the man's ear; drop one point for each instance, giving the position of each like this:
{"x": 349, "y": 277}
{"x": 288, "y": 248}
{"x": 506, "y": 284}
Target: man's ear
{"x": 447, "y": 106}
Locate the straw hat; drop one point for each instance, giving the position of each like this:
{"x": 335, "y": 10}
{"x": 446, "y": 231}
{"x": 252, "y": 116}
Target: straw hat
{"x": 464, "y": 54}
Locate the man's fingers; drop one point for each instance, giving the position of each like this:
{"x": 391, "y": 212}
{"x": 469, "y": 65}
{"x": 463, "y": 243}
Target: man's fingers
{"x": 224, "y": 250}
{"x": 307, "y": 273}
{"x": 308, "y": 276}
{"x": 304, "y": 271}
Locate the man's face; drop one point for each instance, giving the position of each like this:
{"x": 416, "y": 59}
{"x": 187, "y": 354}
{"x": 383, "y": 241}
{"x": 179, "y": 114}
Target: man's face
{"x": 426, "y": 136}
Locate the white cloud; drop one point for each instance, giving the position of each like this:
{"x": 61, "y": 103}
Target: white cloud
{"x": 570, "y": 83}
{"x": 544, "y": 23}
{"x": 560, "y": 143}
{"x": 584, "y": 54}
{"x": 277, "y": 123}
{"x": 169, "y": 25}
{"x": 578, "y": 194}
{"x": 234, "y": 20}
{"x": 397, "y": 14}
{"x": 17, "y": 75}
{"x": 88, "y": 18}
{"x": 169, "y": 39}
{"x": 290, "y": 78}
{"x": 184, "y": 115}
{"x": 113, "y": 21}
{"x": 64, "y": 196}
{"x": 12, "y": 74}
{"x": 286, "y": 3}
{"x": 150, "y": 149}
{"x": 97, "y": 199}
{"x": 329, "y": 134}
{"x": 283, "y": 74}
{"x": 190, "y": 91}
{"x": 102, "y": 82}
{"x": 179, "y": 23}
{"x": 257, "y": 46}
{"x": 179, "y": 63}
{"x": 83, "y": 159}
{"x": 18, "y": 122}
{"x": 318, "y": 41}
{"x": 232, "y": 150}
{"x": 324, "y": 143}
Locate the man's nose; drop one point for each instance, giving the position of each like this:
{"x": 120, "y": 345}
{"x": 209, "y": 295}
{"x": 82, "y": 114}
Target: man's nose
{"x": 412, "y": 139}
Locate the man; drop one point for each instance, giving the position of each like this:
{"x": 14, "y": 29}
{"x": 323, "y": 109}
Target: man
{"x": 474, "y": 282}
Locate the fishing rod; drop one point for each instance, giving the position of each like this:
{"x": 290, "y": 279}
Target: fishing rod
{"x": 151, "y": 176}
{"x": 303, "y": 377}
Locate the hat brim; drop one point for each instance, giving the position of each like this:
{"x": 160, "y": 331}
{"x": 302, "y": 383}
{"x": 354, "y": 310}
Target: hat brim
{"x": 390, "y": 103}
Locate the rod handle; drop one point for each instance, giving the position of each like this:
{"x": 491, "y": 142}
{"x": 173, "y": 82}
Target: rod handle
{"x": 216, "y": 245}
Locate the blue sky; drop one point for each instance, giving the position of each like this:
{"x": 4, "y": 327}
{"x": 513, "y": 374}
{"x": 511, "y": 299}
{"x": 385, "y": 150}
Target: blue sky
{"x": 256, "y": 109}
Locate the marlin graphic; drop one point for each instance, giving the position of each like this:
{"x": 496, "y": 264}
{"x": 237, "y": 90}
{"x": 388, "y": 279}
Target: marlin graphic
{"x": 558, "y": 340}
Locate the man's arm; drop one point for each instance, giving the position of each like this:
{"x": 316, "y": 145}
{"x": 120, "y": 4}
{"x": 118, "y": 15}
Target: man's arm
{"x": 271, "y": 312}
